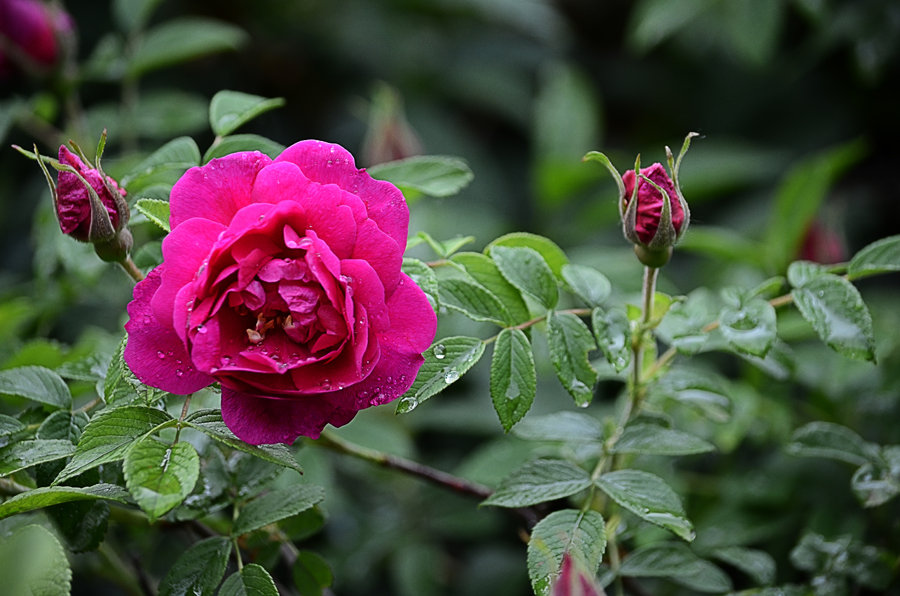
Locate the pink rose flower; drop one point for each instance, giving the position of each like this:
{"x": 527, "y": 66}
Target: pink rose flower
{"x": 650, "y": 202}
{"x": 73, "y": 199}
{"x": 281, "y": 281}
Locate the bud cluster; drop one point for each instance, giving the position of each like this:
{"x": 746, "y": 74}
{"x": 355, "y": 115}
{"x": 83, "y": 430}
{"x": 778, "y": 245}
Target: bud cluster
{"x": 652, "y": 208}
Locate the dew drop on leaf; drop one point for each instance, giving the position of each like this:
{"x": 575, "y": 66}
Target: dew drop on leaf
{"x": 440, "y": 351}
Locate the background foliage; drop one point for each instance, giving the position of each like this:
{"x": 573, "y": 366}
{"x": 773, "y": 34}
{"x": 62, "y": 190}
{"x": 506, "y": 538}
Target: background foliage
{"x": 798, "y": 115}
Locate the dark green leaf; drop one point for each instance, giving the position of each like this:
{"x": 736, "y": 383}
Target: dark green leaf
{"x": 108, "y": 436}
{"x": 245, "y": 142}
{"x": 445, "y": 362}
{"x": 82, "y": 524}
{"x": 90, "y": 368}
{"x": 834, "y": 308}
{"x": 33, "y": 562}
{"x": 424, "y": 277}
{"x": 526, "y": 269}
{"x": 24, "y": 454}
{"x": 252, "y": 580}
{"x": 749, "y": 326}
{"x": 881, "y": 256}
{"x": 570, "y": 341}
{"x": 649, "y": 439}
{"x": 210, "y": 423}
{"x": 183, "y": 39}
{"x": 121, "y": 387}
{"x": 703, "y": 390}
{"x": 9, "y": 425}
{"x": 877, "y": 483}
{"x": 442, "y": 249}
{"x": 198, "y": 570}
{"x": 552, "y": 254}
{"x": 229, "y": 110}
{"x": 63, "y": 425}
{"x": 275, "y": 506}
{"x": 37, "y": 384}
{"x": 676, "y": 562}
{"x": 561, "y": 426}
{"x": 472, "y": 300}
{"x": 513, "y": 381}
{"x": 433, "y": 175}
{"x": 156, "y": 211}
{"x": 132, "y": 15}
{"x": 591, "y": 286}
{"x": 484, "y": 271}
{"x": 53, "y": 495}
{"x": 612, "y": 330}
{"x": 757, "y": 564}
{"x": 582, "y": 534}
{"x": 648, "y": 497}
{"x": 539, "y": 481}
{"x": 684, "y": 324}
{"x": 166, "y": 164}
{"x": 800, "y": 273}
{"x": 160, "y": 476}
{"x": 311, "y": 574}
{"x": 833, "y": 441}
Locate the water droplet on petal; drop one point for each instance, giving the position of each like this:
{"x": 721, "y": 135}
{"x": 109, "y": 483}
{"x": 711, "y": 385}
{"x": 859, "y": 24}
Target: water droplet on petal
{"x": 439, "y": 351}
{"x": 160, "y": 355}
{"x": 179, "y": 372}
{"x": 201, "y": 329}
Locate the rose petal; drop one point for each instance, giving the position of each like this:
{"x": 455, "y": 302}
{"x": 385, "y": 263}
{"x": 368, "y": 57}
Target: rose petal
{"x": 413, "y": 321}
{"x": 154, "y": 352}
{"x": 217, "y": 190}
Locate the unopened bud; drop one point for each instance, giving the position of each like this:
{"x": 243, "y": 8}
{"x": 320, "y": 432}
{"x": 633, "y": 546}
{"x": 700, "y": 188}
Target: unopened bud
{"x": 89, "y": 205}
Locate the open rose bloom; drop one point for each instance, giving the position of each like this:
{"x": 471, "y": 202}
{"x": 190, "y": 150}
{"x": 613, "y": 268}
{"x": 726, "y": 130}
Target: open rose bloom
{"x": 281, "y": 281}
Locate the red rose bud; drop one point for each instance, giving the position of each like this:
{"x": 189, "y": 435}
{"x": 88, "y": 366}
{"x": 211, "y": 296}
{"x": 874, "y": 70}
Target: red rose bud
{"x": 91, "y": 207}
{"x": 574, "y": 581}
{"x": 31, "y": 32}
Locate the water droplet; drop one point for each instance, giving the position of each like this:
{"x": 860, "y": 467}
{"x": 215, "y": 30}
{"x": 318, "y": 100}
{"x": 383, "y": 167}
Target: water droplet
{"x": 408, "y": 404}
{"x": 201, "y": 329}
{"x": 261, "y": 217}
{"x": 451, "y": 376}
{"x": 178, "y": 362}
{"x": 821, "y": 293}
{"x": 166, "y": 458}
{"x": 282, "y": 366}
{"x": 512, "y": 392}
{"x": 160, "y": 355}
{"x": 147, "y": 319}
{"x": 439, "y": 351}
{"x": 179, "y": 372}
{"x": 214, "y": 370}
{"x": 584, "y": 404}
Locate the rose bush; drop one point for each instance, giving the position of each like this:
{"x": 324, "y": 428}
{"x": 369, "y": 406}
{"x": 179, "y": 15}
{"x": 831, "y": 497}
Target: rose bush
{"x": 281, "y": 281}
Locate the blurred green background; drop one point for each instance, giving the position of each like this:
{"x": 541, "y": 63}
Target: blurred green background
{"x": 793, "y": 98}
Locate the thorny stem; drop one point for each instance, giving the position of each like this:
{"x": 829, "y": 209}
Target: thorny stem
{"x": 131, "y": 269}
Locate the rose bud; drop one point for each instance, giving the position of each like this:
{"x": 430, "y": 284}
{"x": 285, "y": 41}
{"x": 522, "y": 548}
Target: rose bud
{"x": 574, "y": 581}
{"x": 281, "y": 281}
{"x": 90, "y": 207}
{"x": 653, "y": 210}
{"x": 31, "y": 33}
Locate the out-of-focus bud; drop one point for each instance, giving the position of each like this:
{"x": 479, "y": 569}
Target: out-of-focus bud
{"x": 389, "y": 136}
{"x": 653, "y": 210}
{"x": 90, "y": 206}
{"x": 575, "y": 581}
{"x": 823, "y": 244}
{"x": 32, "y": 34}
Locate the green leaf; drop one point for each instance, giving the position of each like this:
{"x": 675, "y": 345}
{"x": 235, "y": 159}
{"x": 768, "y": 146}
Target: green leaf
{"x": 612, "y": 330}
{"x": 513, "y": 378}
{"x": 166, "y": 164}
{"x": 160, "y": 476}
{"x": 90, "y": 368}
{"x": 526, "y": 269}
{"x": 442, "y": 249}
{"x": 722, "y": 243}
{"x": 877, "y": 483}
{"x": 704, "y": 391}
{"x": 445, "y": 362}
{"x": 424, "y": 277}
{"x": 229, "y": 110}
{"x": 183, "y": 39}
{"x": 759, "y": 565}
{"x": 650, "y": 439}
{"x": 121, "y": 387}
{"x": 882, "y": 256}
{"x": 311, "y": 574}
{"x": 748, "y": 325}
{"x": 472, "y": 300}
{"x": 582, "y": 534}
{"x": 63, "y": 424}
{"x": 832, "y": 441}
{"x": 210, "y": 423}
{"x": 108, "y": 436}
{"x": 649, "y": 497}
{"x": 570, "y": 341}
{"x": 39, "y": 498}
{"x": 244, "y": 142}
{"x": 432, "y": 175}
{"x": 24, "y": 454}
{"x": 683, "y": 324}
{"x": 252, "y": 580}
{"x": 484, "y": 271}
{"x": 275, "y": 506}
{"x": 539, "y": 481}
{"x": 561, "y": 426}
{"x": 799, "y": 197}
{"x": 676, "y": 562}
{"x": 37, "y": 384}
{"x": 156, "y": 211}
{"x": 552, "y": 254}
{"x": 800, "y": 273}
{"x": 132, "y": 15}
{"x": 33, "y": 562}
{"x": 9, "y": 425}
{"x": 82, "y": 524}
{"x": 198, "y": 570}
{"x": 589, "y": 284}
{"x": 836, "y": 311}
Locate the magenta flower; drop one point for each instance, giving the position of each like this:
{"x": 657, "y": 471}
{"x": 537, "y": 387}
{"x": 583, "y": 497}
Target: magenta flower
{"x": 281, "y": 280}
{"x": 650, "y": 202}
{"x": 574, "y": 581}
{"x": 74, "y": 201}
{"x": 32, "y": 28}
